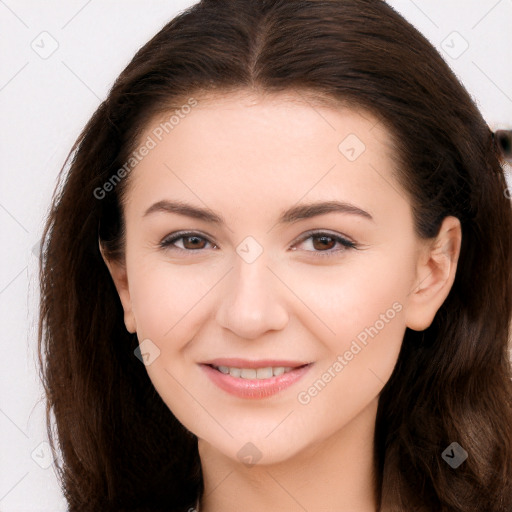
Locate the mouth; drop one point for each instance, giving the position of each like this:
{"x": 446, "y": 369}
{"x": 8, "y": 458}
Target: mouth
{"x": 254, "y": 379}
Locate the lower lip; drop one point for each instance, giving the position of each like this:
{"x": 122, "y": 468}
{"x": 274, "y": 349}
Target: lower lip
{"x": 254, "y": 388}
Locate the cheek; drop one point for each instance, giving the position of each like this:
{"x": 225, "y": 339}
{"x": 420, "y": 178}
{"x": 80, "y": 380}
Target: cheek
{"x": 357, "y": 313}
{"x": 368, "y": 319}
{"x": 340, "y": 303}
{"x": 167, "y": 305}
{"x": 170, "y": 302}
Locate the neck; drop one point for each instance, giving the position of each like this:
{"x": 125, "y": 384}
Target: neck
{"x": 334, "y": 474}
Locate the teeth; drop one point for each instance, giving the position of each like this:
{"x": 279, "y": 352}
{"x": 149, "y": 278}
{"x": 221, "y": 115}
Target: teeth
{"x": 264, "y": 373}
{"x": 254, "y": 373}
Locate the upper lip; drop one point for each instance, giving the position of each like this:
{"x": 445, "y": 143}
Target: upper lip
{"x": 234, "y": 362}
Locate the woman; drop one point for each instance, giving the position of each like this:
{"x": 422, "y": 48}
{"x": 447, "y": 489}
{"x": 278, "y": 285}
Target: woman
{"x": 277, "y": 274}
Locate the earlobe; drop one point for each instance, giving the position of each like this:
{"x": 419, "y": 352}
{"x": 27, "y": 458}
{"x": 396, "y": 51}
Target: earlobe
{"x": 436, "y": 269}
{"x": 119, "y": 276}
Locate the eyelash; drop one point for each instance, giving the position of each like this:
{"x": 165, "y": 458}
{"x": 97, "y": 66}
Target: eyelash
{"x": 167, "y": 243}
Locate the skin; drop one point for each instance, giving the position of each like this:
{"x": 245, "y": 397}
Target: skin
{"x": 247, "y": 158}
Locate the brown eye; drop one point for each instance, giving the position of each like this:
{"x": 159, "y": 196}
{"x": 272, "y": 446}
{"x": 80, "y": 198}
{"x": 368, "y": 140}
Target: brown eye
{"x": 324, "y": 242}
{"x": 189, "y": 242}
{"x": 193, "y": 242}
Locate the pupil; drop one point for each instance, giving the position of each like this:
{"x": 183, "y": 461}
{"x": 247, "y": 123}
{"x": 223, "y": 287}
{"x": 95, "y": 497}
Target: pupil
{"x": 195, "y": 239}
{"x": 323, "y": 243}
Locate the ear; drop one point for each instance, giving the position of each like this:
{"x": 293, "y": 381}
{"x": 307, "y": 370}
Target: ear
{"x": 435, "y": 274}
{"x": 119, "y": 275}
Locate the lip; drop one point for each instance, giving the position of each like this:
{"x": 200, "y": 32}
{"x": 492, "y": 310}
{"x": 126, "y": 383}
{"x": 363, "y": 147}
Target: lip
{"x": 254, "y": 388}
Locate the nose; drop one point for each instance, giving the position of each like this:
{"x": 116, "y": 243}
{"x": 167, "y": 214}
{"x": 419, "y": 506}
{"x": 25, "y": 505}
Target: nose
{"x": 252, "y": 301}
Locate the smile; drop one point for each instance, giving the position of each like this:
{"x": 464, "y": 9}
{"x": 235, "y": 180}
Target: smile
{"x": 254, "y": 383}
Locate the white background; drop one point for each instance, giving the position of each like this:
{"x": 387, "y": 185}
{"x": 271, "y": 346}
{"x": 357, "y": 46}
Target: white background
{"x": 44, "y": 103}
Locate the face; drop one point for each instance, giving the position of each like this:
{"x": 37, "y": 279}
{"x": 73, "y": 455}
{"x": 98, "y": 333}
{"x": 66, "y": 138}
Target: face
{"x": 304, "y": 258}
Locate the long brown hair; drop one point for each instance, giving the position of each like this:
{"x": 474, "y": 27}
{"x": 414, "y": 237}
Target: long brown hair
{"x": 122, "y": 448}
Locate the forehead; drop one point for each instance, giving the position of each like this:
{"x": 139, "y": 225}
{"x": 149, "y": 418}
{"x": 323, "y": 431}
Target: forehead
{"x": 243, "y": 146}
{"x": 255, "y": 117}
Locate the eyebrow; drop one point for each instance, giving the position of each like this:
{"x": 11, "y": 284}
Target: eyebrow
{"x": 289, "y": 216}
